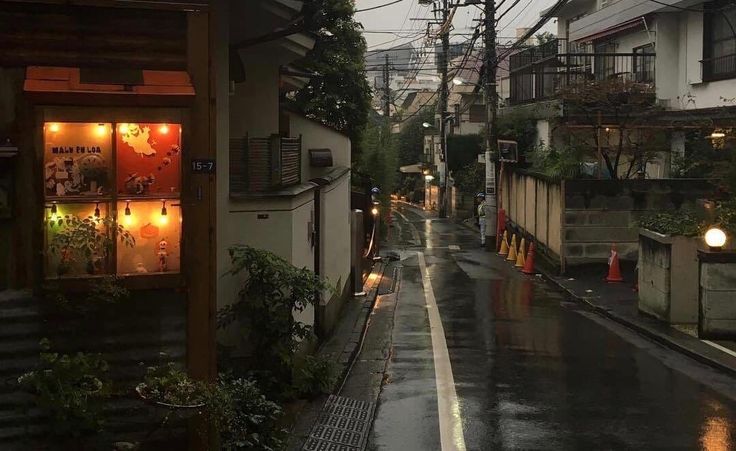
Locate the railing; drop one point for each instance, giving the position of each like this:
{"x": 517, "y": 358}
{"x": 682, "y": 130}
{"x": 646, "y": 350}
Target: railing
{"x": 541, "y": 72}
{"x": 263, "y": 164}
{"x": 719, "y": 68}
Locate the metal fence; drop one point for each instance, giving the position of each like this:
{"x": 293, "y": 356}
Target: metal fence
{"x": 541, "y": 72}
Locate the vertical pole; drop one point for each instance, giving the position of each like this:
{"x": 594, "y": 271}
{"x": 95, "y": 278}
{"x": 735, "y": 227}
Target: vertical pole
{"x": 491, "y": 135}
{"x": 445, "y": 31}
{"x": 598, "y": 145}
{"x": 386, "y": 91}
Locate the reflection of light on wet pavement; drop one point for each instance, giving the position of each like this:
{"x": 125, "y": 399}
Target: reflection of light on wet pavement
{"x": 716, "y": 435}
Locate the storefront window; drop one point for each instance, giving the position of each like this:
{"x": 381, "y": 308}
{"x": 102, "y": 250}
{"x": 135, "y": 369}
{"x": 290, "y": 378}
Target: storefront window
{"x": 112, "y": 198}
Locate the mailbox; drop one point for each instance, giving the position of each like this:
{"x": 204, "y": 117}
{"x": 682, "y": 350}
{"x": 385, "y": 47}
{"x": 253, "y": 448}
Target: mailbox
{"x": 320, "y": 158}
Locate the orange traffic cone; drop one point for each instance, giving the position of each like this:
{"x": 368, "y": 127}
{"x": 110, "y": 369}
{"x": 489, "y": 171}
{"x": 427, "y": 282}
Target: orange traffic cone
{"x": 504, "y": 244}
{"x": 614, "y": 270}
{"x": 521, "y": 255}
{"x": 512, "y": 249}
{"x": 529, "y": 264}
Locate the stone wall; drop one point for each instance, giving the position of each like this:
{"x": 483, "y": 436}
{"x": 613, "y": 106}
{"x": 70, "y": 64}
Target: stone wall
{"x": 599, "y": 213}
{"x": 575, "y": 222}
{"x": 717, "y": 300}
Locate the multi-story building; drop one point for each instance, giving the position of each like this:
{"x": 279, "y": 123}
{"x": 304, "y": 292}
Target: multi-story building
{"x": 683, "y": 53}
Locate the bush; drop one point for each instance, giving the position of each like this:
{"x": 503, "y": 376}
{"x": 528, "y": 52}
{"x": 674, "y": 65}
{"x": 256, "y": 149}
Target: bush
{"x": 316, "y": 376}
{"x": 242, "y": 416}
{"x": 683, "y": 222}
{"x": 170, "y": 385}
{"x": 70, "y": 389}
{"x": 271, "y": 292}
{"x": 558, "y": 163}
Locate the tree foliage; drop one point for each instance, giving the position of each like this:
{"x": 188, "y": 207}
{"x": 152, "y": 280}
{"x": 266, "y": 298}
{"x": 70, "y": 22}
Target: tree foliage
{"x": 627, "y": 146}
{"x": 470, "y": 178}
{"x": 463, "y": 150}
{"x": 340, "y": 96}
{"x": 410, "y": 141}
{"x": 379, "y": 159}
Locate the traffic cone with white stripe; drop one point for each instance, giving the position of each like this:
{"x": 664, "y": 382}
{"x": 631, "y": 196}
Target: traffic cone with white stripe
{"x": 512, "y": 249}
{"x": 521, "y": 255}
{"x": 529, "y": 264}
{"x": 614, "y": 269}
{"x": 504, "y": 244}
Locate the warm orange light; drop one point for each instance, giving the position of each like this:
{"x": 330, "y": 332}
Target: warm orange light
{"x": 128, "y": 220}
{"x": 123, "y": 128}
{"x": 163, "y": 220}
{"x": 164, "y": 129}
{"x": 53, "y": 128}
{"x": 101, "y": 129}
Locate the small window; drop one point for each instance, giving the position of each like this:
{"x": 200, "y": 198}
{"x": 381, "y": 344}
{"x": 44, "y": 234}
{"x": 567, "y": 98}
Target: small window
{"x": 644, "y": 64}
{"x": 112, "y": 198}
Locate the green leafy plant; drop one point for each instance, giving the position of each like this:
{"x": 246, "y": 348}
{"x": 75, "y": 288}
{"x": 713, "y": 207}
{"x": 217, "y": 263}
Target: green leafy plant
{"x": 170, "y": 385}
{"x": 683, "y": 222}
{"x": 70, "y": 389}
{"x": 315, "y": 376}
{"x": 101, "y": 291}
{"x": 242, "y": 415}
{"x": 271, "y": 292}
{"x": 85, "y": 239}
{"x": 558, "y": 163}
{"x": 471, "y": 178}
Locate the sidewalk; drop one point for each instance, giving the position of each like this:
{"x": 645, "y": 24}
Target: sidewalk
{"x": 341, "y": 348}
{"x": 619, "y": 302}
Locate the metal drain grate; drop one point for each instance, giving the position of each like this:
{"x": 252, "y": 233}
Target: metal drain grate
{"x": 343, "y": 425}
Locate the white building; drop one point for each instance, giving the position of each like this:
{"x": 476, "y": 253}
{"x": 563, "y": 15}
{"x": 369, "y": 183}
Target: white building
{"x": 685, "y": 53}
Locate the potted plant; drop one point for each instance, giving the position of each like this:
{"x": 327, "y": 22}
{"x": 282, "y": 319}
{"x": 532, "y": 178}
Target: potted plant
{"x": 170, "y": 387}
{"x": 70, "y": 389}
{"x": 668, "y": 266}
{"x": 87, "y": 240}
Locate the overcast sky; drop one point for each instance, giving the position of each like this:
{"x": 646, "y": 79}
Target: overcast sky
{"x": 397, "y": 17}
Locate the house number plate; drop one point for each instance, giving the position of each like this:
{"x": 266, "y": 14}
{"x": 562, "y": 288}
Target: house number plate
{"x": 203, "y": 166}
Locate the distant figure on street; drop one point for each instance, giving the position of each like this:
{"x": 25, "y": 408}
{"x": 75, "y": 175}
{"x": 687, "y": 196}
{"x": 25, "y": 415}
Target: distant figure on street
{"x": 482, "y": 217}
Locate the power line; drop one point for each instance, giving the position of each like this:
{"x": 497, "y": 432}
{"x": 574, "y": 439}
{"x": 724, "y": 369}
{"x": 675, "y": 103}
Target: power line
{"x": 378, "y": 7}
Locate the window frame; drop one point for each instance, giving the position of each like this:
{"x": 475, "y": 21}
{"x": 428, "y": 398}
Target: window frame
{"x": 115, "y": 116}
{"x": 640, "y": 53}
{"x": 710, "y": 14}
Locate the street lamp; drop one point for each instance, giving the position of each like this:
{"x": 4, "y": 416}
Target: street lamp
{"x": 427, "y": 125}
{"x": 715, "y": 238}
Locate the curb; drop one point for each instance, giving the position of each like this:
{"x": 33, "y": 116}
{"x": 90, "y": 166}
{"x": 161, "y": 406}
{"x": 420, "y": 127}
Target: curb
{"x": 641, "y": 330}
{"x": 348, "y": 356}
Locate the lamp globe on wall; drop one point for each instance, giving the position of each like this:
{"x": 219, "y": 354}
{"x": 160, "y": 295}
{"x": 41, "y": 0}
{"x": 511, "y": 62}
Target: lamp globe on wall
{"x": 715, "y": 238}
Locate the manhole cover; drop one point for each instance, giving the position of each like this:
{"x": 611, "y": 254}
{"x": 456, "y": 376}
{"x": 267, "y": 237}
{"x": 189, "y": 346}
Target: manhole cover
{"x": 343, "y": 424}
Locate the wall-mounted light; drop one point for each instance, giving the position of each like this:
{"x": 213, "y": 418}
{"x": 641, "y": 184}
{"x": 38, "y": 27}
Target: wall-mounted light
{"x": 123, "y": 128}
{"x": 715, "y": 238}
{"x": 374, "y": 211}
{"x": 164, "y": 218}
{"x": 429, "y": 177}
{"x": 54, "y": 127}
{"x": 164, "y": 129}
{"x": 717, "y": 134}
{"x": 101, "y": 129}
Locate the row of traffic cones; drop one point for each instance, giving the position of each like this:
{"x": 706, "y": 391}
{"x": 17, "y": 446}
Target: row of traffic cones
{"x": 518, "y": 255}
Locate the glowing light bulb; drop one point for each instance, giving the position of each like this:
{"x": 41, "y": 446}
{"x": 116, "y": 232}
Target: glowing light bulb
{"x": 715, "y": 238}
{"x": 123, "y": 128}
{"x": 101, "y": 129}
{"x": 164, "y": 129}
{"x": 164, "y": 218}
{"x": 53, "y": 128}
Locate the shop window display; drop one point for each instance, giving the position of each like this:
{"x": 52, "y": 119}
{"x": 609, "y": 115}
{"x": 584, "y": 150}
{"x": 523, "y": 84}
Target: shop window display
{"x": 112, "y": 198}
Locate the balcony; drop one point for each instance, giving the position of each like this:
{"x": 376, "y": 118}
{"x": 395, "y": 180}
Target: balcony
{"x": 540, "y": 73}
{"x": 260, "y": 165}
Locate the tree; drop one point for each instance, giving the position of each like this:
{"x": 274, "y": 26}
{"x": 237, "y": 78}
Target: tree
{"x": 545, "y": 37}
{"x": 340, "y": 95}
{"x": 410, "y": 141}
{"x": 630, "y": 141}
{"x": 379, "y": 157}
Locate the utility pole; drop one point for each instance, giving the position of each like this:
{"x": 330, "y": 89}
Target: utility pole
{"x": 387, "y": 92}
{"x": 491, "y": 135}
{"x": 445, "y": 35}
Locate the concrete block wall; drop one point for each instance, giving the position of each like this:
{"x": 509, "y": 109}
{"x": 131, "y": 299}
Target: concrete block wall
{"x": 577, "y": 221}
{"x": 599, "y": 213}
{"x": 717, "y": 302}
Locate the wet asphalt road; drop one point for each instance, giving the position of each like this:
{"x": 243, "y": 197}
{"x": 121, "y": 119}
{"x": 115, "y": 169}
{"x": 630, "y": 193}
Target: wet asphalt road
{"x": 531, "y": 369}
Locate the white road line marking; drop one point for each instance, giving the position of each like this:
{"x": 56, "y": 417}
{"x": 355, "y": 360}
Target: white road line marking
{"x": 720, "y": 348}
{"x": 451, "y": 426}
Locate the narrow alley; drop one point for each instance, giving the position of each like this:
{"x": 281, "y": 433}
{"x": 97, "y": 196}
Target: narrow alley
{"x": 531, "y": 370}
